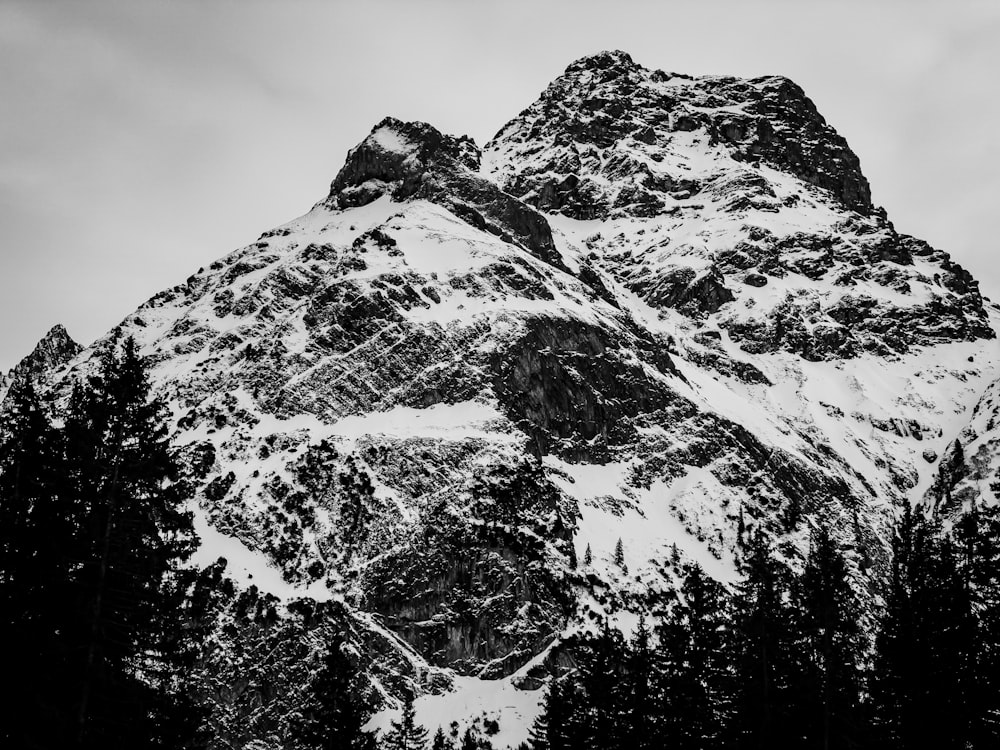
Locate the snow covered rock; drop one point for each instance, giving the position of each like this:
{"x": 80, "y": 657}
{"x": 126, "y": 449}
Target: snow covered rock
{"x": 654, "y": 308}
{"x": 54, "y": 350}
{"x": 611, "y": 137}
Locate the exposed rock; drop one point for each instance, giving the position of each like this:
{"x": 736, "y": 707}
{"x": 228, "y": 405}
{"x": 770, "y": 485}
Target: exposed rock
{"x": 480, "y": 593}
{"x": 574, "y": 391}
{"x": 602, "y": 103}
{"x": 686, "y": 290}
{"x": 413, "y": 159}
{"x": 54, "y": 350}
{"x": 950, "y": 471}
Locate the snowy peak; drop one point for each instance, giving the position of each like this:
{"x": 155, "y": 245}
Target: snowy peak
{"x": 655, "y": 308}
{"x": 55, "y": 347}
{"x": 732, "y": 201}
{"x": 394, "y": 157}
{"x": 607, "y": 118}
{"x": 53, "y": 350}
{"x": 412, "y": 160}
{"x": 615, "y": 60}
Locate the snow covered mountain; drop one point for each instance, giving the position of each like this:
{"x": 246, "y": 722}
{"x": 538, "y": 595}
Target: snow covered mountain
{"x": 54, "y": 350}
{"x": 654, "y": 308}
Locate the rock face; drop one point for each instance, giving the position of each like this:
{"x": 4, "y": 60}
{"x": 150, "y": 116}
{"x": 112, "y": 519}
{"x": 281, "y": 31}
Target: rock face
{"x": 54, "y": 350}
{"x": 966, "y": 472}
{"x": 714, "y": 184}
{"x": 654, "y": 307}
{"x": 413, "y": 160}
{"x": 603, "y": 139}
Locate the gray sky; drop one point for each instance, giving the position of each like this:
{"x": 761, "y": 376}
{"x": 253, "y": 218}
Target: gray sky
{"x": 140, "y": 141}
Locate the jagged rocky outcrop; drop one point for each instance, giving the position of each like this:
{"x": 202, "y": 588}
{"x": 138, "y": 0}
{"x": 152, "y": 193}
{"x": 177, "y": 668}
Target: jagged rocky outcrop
{"x": 654, "y": 307}
{"x": 414, "y": 160}
{"x": 705, "y": 163}
{"x": 966, "y": 473}
{"x": 55, "y": 349}
{"x": 599, "y": 140}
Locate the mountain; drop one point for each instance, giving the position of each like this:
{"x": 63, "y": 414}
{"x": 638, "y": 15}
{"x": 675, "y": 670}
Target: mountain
{"x": 654, "y": 308}
{"x": 54, "y": 350}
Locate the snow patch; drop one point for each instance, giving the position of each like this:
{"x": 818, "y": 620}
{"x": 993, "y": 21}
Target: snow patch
{"x": 245, "y": 566}
{"x": 391, "y": 140}
{"x": 471, "y": 698}
{"x": 649, "y": 521}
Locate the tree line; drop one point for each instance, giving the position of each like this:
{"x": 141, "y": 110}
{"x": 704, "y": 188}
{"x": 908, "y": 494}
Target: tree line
{"x": 783, "y": 662}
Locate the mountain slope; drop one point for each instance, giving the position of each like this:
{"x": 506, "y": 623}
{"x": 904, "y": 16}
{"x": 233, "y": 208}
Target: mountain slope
{"x": 654, "y": 308}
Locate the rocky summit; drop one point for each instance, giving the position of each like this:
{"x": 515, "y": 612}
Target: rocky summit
{"x": 654, "y": 308}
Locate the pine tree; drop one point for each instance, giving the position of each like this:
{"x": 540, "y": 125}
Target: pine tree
{"x": 601, "y": 681}
{"x": 831, "y": 638}
{"x": 620, "y": 556}
{"x": 952, "y": 644}
{"x": 469, "y": 741}
{"x": 336, "y": 720}
{"x": 640, "y": 710}
{"x": 588, "y": 556}
{"x": 978, "y": 537}
{"x": 695, "y": 679}
{"x": 766, "y": 708}
{"x": 441, "y": 741}
{"x": 134, "y": 533}
{"x": 897, "y": 670}
{"x": 36, "y": 538}
{"x": 406, "y": 734}
{"x": 538, "y": 735}
{"x": 924, "y": 687}
{"x": 555, "y": 727}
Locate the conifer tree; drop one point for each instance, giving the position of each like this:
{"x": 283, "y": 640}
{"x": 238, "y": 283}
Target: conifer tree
{"x": 588, "y": 556}
{"x": 695, "y": 670}
{"x": 978, "y": 538}
{"x": 36, "y": 538}
{"x": 538, "y": 736}
{"x": 925, "y": 650}
{"x": 336, "y": 720}
{"x": 441, "y": 741}
{"x": 767, "y": 667}
{"x": 555, "y": 728}
{"x": 406, "y": 734}
{"x": 897, "y": 668}
{"x": 134, "y": 533}
{"x": 601, "y": 681}
{"x": 620, "y": 556}
{"x": 952, "y": 647}
{"x": 471, "y": 740}
{"x": 640, "y": 713}
{"x": 831, "y": 641}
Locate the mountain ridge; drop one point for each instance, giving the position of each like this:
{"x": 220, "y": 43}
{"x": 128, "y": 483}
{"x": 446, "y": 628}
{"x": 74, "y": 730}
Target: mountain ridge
{"x": 424, "y": 398}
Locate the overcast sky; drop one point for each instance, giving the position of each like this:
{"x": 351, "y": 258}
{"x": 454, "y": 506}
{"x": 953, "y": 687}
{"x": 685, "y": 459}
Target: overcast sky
{"x": 140, "y": 141}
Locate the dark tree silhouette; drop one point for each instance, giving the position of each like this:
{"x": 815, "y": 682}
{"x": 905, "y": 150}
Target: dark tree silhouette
{"x": 831, "y": 639}
{"x": 134, "y": 533}
{"x": 337, "y": 718}
{"x": 695, "y": 677}
{"x": 37, "y": 535}
{"x": 406, "y": 734}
